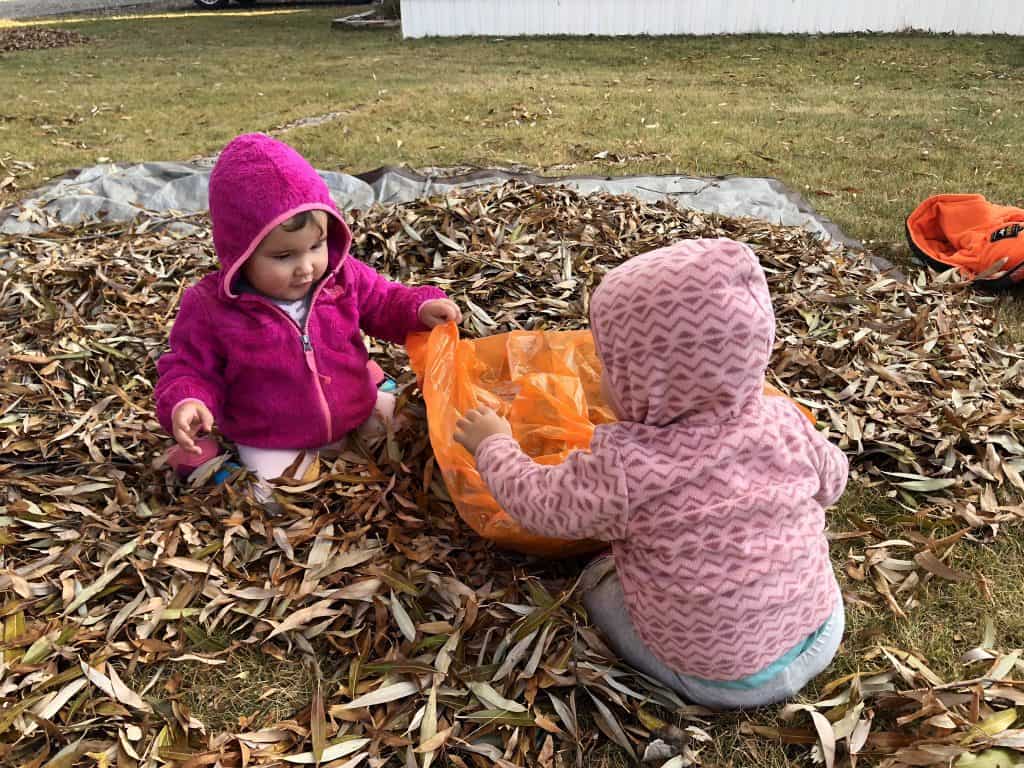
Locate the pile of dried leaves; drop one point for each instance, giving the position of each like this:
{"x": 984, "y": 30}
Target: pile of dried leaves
{"x": 37, "y": 38}
{"x": 424, "y": 644}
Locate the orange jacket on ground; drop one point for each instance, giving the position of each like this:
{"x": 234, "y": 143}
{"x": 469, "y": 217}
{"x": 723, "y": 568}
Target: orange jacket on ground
{"x": 984, "y": 240}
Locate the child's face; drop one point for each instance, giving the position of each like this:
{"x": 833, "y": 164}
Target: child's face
{"x": 286, "y": 265}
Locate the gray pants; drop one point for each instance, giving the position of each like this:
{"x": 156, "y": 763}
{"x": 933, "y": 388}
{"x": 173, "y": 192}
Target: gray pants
{"x": 605, "y": 602}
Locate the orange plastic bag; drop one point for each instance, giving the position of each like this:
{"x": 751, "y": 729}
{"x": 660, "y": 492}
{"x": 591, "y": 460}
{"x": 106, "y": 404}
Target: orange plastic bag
{"x": 546, "y": 383}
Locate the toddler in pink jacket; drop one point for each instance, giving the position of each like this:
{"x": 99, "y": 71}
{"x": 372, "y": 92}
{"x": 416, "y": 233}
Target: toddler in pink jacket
{"x": 269, "y": 347}
{"x": 711, "y": 494}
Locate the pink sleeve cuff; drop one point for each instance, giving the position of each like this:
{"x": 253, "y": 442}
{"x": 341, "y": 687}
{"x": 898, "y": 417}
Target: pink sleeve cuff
{"x": 491, "y": 441}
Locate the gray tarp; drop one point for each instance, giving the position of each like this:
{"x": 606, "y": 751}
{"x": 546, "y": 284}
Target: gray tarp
{"x": 113, "y": 192}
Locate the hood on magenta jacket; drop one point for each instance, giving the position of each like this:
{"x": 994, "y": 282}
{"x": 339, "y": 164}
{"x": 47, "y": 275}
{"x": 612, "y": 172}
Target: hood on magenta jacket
{"x": 710, "y": 493}
{"x": 257, "y": 184}
{"x": 268, "y": 382}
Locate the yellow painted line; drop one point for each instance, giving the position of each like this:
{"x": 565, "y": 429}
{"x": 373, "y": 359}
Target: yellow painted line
{"x": 198, "y": 14}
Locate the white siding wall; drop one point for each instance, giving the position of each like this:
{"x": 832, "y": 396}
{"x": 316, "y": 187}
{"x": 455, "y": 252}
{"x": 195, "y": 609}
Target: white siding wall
{"x": 427, "y": 18}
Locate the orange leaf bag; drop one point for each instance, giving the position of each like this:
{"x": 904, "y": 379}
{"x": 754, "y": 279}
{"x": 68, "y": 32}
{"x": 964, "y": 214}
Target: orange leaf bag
{"x": 546, "y": 383}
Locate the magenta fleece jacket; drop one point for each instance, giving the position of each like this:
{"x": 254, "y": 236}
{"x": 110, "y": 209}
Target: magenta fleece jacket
{"x": 269, "y": 383}
{"x": 711, "y": 494}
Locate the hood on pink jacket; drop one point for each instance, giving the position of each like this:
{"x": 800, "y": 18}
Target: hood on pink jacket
{"x": 258, "y": 183}
{"x": 685, "y": 332}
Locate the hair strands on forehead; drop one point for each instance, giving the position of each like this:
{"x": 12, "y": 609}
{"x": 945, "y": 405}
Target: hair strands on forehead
{"x": 302, "y": 218}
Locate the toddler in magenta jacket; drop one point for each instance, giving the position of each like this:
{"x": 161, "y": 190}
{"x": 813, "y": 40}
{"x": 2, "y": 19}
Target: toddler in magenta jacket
{"x": 711, "y": 494}
{"x": 269, "y": 346}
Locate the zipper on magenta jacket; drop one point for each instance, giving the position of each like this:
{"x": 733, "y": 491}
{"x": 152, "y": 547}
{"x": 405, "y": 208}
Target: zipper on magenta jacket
{"x": 307, "y": 351}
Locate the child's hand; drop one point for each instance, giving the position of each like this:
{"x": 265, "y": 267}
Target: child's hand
{"x": 189, "y": 418}
{"x": 438, "y": 312}
{"x": 477, "y": 425}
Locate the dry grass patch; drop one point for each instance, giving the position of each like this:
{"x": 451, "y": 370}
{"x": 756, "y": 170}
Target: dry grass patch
{"x": 251, "y": 690}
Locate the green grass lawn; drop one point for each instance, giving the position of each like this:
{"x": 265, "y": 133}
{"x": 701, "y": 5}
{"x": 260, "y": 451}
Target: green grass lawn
{"x": 865, "y": 127}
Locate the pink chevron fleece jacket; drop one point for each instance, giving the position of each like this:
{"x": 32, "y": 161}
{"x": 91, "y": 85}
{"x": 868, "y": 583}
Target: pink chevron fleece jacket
{"x": 711, "y": 494}
{"x": 267, "y": 382}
